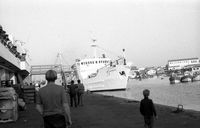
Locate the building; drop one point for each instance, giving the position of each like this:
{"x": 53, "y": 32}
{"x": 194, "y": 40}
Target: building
{"x": 178, "y": 64}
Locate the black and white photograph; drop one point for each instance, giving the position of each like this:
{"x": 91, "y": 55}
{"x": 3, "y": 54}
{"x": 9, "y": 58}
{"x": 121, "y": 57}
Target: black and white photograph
{"x": 99, "y": 63}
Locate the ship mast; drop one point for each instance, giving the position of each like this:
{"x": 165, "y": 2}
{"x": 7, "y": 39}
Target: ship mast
{"x": 124, "y": 56}
{"x": 59, "y": 56}
{"x": 94, "y": 46}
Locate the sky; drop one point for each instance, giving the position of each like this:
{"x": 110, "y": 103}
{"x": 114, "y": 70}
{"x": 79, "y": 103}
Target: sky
{"x": 151, "y": 31}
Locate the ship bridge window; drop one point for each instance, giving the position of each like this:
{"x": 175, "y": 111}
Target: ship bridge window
{"x": 96, "y": 62}
{"x": 81, "y": 63}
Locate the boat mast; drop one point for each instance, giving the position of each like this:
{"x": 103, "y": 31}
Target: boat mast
{"x": 94, "y": 47}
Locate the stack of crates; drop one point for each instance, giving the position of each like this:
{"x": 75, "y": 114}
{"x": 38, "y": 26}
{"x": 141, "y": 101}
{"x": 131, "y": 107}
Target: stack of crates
{"x": 8, "y": 105}
{"x": 29, "y": 94}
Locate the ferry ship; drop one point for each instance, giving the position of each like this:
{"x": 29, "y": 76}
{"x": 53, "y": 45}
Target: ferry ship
{"x": 101, "y": 73}
{"x": 14, "y": 63}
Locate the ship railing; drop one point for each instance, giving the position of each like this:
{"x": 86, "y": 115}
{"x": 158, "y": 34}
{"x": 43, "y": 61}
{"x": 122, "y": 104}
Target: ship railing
{"x": 115, "y": 62}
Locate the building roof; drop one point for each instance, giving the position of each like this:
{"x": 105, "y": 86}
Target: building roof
{"x": 183, "y": 59}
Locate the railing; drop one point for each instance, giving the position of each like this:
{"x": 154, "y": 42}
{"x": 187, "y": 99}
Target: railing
{"x": 42, "y": 69}
{"x": 7, "y": 55}
{"x": 24, "y": 65}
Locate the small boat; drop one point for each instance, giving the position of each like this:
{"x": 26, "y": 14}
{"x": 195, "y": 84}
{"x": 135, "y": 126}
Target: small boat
{"x": 186, "y": 78}
{"x": 196, "y": 77}
{"x": 174, "y": 79}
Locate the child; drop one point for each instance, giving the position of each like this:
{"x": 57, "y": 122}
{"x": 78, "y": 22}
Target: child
{"x": 147, "y": 109}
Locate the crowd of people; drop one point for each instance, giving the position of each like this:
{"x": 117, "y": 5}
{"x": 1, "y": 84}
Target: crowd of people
{"x": 4, "y": 39}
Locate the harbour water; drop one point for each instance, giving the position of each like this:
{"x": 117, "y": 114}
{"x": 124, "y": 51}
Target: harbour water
{"x": 162, "y": 92}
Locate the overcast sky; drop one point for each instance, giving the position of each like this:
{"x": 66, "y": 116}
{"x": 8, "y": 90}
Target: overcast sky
{"x": 151, "y": 31}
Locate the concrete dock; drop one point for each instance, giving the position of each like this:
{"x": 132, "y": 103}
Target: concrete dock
{"x": 109, "y": 112}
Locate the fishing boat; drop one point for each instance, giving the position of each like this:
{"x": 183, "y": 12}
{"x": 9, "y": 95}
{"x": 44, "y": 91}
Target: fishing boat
{"x": 186, "y": 78}
{"x": 102, "y": 73}
{"x": 192, "y": 73}
{"x": 174, "y": 79}
{"x": 196, "y": 76}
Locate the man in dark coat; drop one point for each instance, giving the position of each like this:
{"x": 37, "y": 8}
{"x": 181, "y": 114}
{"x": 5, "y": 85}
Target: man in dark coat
{"x": 73, "y": 88}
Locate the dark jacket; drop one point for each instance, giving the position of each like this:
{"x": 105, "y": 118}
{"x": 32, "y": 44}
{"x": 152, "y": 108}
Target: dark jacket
{"x": 73, "y": 89}
{"x": 147, "y": 107}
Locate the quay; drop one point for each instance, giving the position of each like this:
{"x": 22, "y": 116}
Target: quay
{"x": 101, "y": 111}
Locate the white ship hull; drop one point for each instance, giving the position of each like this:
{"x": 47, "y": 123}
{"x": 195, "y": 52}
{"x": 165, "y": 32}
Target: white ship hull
{"x": 108, "y": 78}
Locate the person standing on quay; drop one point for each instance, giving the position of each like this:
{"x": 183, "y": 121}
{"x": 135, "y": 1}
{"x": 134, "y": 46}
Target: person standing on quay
{"x": 73, "y": 94}
{"x": 52, "y": 103}
{"x": 147, "y": 109}
{"x": 80, "y": 92}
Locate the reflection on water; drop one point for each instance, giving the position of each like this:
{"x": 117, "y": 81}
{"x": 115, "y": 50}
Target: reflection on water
{"x": 162, "y": 92}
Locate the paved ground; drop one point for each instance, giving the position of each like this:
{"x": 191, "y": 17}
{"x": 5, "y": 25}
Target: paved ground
{"x": 109, "y": 112}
